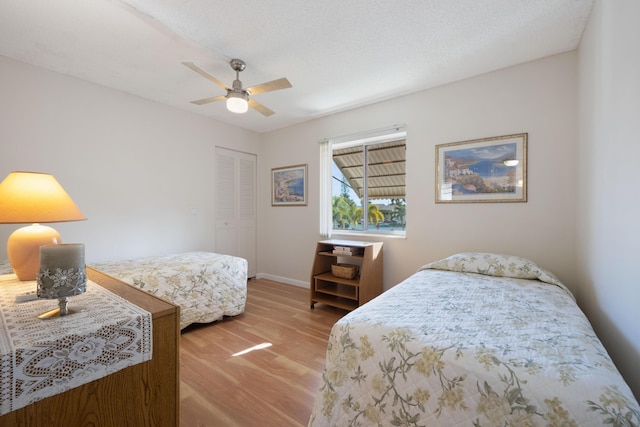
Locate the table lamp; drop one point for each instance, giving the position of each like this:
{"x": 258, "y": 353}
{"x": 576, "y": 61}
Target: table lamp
{"x": 32, "y": 197}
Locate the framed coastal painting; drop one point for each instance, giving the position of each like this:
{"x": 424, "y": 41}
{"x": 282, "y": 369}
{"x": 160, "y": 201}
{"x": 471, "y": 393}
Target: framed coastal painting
{"x": 482, "y": 170}
{"x": 289, "y": 186}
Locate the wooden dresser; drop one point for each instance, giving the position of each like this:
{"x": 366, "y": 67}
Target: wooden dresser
{"x": 146, "y": 394}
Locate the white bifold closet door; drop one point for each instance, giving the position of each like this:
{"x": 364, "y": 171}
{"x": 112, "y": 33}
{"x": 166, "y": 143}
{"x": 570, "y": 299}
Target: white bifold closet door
{"x": 235, "y": 210}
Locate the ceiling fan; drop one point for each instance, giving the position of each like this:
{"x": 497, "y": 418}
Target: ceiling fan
{"x": 238, "y": 99}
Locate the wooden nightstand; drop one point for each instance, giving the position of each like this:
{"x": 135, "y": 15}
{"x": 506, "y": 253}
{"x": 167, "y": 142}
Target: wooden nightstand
{"x": 346, "y": 293}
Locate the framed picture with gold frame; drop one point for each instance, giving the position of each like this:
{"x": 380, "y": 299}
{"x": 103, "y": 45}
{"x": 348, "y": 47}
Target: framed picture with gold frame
{"x": 289, "y": 186}
{"x": 482, "y": 170}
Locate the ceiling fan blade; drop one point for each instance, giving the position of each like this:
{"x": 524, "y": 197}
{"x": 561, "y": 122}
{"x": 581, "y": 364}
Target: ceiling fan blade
{"x": 204, "y": 74}
{"x": 282, "y": 83}
{"x": 260, "y": 108}
{"x": 208, "y": 100}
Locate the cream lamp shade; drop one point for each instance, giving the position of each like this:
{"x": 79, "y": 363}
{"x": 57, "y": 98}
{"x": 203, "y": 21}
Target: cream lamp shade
{"x": 32, "y": 197}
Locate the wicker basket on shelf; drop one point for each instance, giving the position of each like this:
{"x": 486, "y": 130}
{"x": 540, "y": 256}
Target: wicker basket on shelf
{"x": 344, "y": 271}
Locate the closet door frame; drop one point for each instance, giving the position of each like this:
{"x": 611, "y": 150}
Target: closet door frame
{"x": 235, "y": 212}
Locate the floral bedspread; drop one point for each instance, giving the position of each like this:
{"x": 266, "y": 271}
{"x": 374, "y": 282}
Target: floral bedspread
{"x": 206, "y": 286}
{"x": 5, "y": 267}
{"x": 475, "y": 339}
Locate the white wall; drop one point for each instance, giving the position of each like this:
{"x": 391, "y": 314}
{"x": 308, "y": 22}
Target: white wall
{"x": 538, "y": 98}
{"x": 609, "y": 209}
{"x": 134, "y": 167}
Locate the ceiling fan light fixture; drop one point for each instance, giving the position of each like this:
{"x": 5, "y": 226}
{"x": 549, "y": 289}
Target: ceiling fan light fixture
{"x": 237, "y": 103}
{"x": 237, "y": 97}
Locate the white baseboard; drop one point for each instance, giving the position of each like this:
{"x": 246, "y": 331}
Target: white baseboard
{"x": 286, "y": 280}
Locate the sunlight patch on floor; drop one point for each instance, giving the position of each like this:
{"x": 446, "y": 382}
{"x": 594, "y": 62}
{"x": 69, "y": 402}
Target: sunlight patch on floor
{"x": 255, "y": 347}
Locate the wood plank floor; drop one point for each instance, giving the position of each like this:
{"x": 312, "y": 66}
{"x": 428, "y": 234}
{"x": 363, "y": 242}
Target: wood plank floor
{"x": 271, "y": 386}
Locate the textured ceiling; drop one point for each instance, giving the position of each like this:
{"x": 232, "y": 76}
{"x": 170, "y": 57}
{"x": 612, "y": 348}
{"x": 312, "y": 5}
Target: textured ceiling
{"x": 337, "y": 54}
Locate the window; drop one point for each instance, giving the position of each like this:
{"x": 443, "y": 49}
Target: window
{"x": 368, "y": 185}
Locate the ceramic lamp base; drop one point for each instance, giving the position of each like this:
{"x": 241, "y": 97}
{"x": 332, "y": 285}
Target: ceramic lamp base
{"x": 23, "y": 249}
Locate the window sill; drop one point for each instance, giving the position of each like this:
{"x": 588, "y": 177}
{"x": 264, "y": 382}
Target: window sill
{"x": 367, "y": 234}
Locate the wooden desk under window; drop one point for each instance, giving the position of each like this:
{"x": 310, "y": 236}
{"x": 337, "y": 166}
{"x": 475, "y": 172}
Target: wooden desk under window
{"x": 146, "y": 394}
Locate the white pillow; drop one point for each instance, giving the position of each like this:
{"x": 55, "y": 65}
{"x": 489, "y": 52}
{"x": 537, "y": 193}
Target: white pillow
{"x": 494, "y": 265}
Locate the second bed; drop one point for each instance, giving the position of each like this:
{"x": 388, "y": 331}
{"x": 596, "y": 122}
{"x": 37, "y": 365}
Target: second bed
{"x": 206, "y": 286}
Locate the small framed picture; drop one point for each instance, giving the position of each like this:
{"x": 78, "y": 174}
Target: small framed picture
{"x": 482, "y": 170}
{"x": 289, "y": 186}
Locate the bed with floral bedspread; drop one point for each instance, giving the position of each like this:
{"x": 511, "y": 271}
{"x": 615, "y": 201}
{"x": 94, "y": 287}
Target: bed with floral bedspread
{"x": 205, "y": 285}
{"x": 475, "y": 339}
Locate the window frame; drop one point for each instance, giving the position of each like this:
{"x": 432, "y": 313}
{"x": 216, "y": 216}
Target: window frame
{"x": 327, "y": 165}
